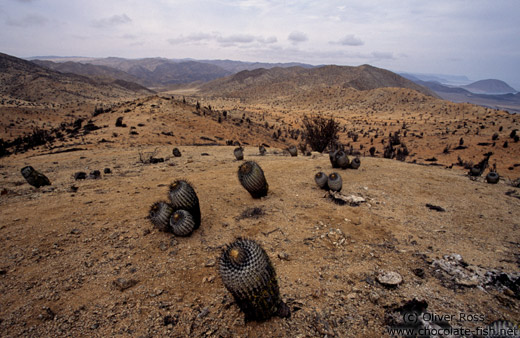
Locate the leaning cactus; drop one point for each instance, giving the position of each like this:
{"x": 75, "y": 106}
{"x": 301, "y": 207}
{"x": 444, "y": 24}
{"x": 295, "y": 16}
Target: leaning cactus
{"x": 248, "y": 274}
{"x": 34, "y": 177}
{"x": 252, "y": 178}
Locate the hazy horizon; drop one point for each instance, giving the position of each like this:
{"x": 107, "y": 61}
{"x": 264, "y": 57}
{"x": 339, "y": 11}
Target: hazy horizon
{"x": 477, "y": 39}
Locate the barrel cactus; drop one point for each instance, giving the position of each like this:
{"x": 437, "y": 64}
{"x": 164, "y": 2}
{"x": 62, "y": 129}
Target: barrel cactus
{"x": 248, "y": 274}
{"x": 252, "y": 178}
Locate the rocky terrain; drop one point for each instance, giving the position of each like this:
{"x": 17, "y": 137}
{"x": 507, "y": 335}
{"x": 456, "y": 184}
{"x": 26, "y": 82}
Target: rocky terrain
{"x": 81, "y": 258}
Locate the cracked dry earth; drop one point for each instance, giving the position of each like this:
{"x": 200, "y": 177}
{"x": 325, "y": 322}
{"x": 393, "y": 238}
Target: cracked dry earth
{"x": 81, "y": 259}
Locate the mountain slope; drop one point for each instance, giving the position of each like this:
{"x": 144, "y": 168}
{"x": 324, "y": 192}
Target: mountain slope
{"x": 27, "y": 81}
{"x": 88, "y": 70}
{"x": 289, "y": 81}
{"x": 238, "y": 66}
{"x": 162, "y": 72}
{"x": 490, "y": 86}
{"x": 509, "y": 101}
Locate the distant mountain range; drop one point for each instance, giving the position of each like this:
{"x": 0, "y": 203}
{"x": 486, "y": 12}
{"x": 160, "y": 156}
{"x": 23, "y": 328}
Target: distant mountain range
{"x": 509, "y": 101}
{"x": 154, "y": 72}
{"x": 237, "y": 78}
{"x": 489, "y": 86}
{"x": 26, "y": 81}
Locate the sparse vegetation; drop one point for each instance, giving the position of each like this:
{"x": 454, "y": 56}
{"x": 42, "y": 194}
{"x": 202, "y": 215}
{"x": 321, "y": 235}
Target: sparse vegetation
{"x": 320, "y": 132}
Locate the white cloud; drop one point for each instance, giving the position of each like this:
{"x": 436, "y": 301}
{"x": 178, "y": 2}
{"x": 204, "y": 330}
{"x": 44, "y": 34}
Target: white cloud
{"x": 222, "y": 40}
{"x": 297, "y": 37}
{"x": 114, "y": 20}
{"x": 348, "y": 40}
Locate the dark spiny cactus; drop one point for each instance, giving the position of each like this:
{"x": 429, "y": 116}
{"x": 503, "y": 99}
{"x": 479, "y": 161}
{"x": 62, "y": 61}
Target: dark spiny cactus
{"x": 335, "y": 183}
{"x": 342, "y": 159}
{"x": 183, "y": 196}
{"x": 248, "y": 274}
{"x": 252, "y": 178}
{"x": 492, "y": 177}
{"x": 355, "y": 163}
{"x": 239, "y": 153}
{"x": 475, "y": 171}
{"x": 159, "y": 215}
{"x": 176, "y": 152}
{"x": 332, "y": 158}
{"x": 261, "y": 150}
{"x": 321, "y": 180}
{"x": 34, "y": 177}
{"x": 293, "y": 151}
{"x": 182, "y": 223}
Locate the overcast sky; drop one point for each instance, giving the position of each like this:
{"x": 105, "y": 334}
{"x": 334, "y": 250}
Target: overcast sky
{"x": 477, "y": 38}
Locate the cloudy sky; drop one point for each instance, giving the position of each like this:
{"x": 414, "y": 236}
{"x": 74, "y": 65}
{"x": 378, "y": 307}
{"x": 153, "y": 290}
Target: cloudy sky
{"x": 476, "y": 38}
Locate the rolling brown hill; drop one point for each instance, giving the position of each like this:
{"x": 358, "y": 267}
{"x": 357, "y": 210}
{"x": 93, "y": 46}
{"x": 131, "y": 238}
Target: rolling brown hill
{"x": 260, "y": 84}
{"x": 88, "y": 70}
{"x": 25, "y": 82}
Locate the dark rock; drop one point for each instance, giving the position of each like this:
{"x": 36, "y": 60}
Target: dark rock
{"x": 170, "y": 320}
{"x": 251, "y": 213}
{"x": 34, "y": 177}
{"x": 90, "y": 127}
{"x": 119, "y": 122}
{"x": 176, "y": 152}
{"x": 107, "y": 171}
{"x": 419, "y": 272}
{"x": 80, "y": 175}
{"x": 94, "y": 174}
{"x": 47, "y": 314}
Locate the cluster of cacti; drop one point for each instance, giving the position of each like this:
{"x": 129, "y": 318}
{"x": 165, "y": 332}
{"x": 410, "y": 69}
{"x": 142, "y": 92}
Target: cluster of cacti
{"x": 249, "y": 275}
{"x": 252, "y": 178}
{"x": 332, "y": 182}
{"x": 339, "y": 159}
{"x": 181, "y": 215}
{"x": 34, "y": 177}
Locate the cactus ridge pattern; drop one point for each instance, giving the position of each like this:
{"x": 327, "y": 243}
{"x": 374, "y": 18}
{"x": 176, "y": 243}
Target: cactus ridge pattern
{"x": 34, "y": 177}
{"x": 321, "y": 180}
{"x": 248, "y": 274}
{"x": 335, "y": 183}
{"x": 183, "y": 196}
{"x": 159, "y": 215}
{"x": 252, "y": 178}
{"x": 182, "y": 223}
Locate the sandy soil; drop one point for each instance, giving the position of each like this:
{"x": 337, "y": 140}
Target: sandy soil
{"x": 65, "y": 245}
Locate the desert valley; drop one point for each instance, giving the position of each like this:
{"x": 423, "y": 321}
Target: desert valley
{"x": 81, "y": 257}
